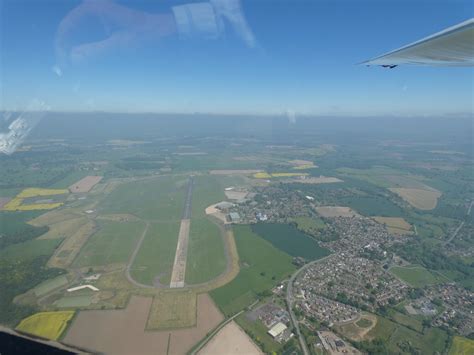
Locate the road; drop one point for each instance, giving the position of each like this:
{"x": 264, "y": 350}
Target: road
{"x": 132, "y": 259}
{"x": 289, "y": 302}
{"x": 460, "y": 225}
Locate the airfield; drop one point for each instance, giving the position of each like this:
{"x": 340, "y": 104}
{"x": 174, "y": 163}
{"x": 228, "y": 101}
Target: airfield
{"x": 139, "y": 251}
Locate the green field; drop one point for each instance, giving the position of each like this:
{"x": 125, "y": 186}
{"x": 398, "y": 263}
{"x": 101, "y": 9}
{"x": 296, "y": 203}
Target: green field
{"x": 30, "y": 249}
{"x": 156, "y": 255}
{"x": 74, "y": 301}
{"x": 290, "y": 240}
{"x": 49, "y": 285}
{"x": 155, "y": 199}
{"x": 416, "y": 276}
{"x": 310, "y": 224}
{"x": 262, "y": 266}
{"x": 462, "y": 346}
{"x": 373, "y": 206}
{"x": 364, "y": 323}
{"x": 398, "y": 338}
{"x": 112, "y": 243}
{"x": 258, "y": 331}
{"x": 408, "y": 321}
{"x": 206, "y": 254}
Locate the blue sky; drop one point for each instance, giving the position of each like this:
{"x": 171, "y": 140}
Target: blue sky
{"x": 303, "y": 58}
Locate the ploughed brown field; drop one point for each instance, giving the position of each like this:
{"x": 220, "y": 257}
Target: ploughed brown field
{"x": 230, "y": 340}
{"x": 123, "y": 331}
{"x": 85, "y": 184}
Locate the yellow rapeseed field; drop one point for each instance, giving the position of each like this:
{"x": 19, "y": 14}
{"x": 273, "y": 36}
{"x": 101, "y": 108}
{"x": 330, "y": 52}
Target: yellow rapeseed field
{"x": 49, "y": 325}
{"x": 33, "y": 192}
{"x": 16, "y": 204}
{"x": 304, "y": 167}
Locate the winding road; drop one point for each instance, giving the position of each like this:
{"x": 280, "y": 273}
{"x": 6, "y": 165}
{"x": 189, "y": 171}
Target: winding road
{"x": 289, "y": 302}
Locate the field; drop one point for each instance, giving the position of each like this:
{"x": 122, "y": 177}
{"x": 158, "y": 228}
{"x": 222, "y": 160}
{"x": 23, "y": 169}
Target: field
{"x": 16, "y": 204}
{"x": 50, "y": 285}
{"x": 416, "y": 276}
{"x": 49, "y": 325}
{"x": 264, "y": 175}
{"x": 395, "y": 225}
{"x": 156, "y": 255}
{"x": 123, "y": 331}
{"x": 372, "y": 206}
{"x": 206, "y": 254}
{"x": 262, "y": 266}
{"x": 171, "y": 310}
{"x": 155, "y": 199}
{"x": 85, "y": 184}
{"x": 319, "y": 180}
{"x": 419, "y": 198}
{"x": 335, "y": 211}
{"x": 64, "y": 228}
{"x": 112, "y": 243}
{"x": 68, "y": 250}
{"x": 290, "y": 240}
{"x": 432, "y": 341}
{"x": 462, "y": 346}
{"x": 231, "y": 339}
{"x": 259, "y": 331}
{"x": 309, "y": 224}
{"x": 74, "y": 301}
{"x": 358, "y": 330}
{"x": 4, "y": 201}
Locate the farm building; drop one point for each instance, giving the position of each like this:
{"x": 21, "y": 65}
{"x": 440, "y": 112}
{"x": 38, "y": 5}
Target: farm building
{"x": 234, "y": 217}
{"x": 277, "y": 329}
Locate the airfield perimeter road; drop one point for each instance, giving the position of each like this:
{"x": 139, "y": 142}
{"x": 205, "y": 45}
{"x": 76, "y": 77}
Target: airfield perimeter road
{"x": 132, "y": 259}
{"x": 289, "y": 302}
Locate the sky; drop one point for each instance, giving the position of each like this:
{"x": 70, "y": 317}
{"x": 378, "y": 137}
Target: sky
{"x": 222, "y": 56}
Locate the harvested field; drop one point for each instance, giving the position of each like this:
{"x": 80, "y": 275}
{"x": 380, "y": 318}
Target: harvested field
{"x": 230, "y": 340}
{"x": 234, "y": 172}
{"x": 336, "y": 211}
{"x": 395, "y": 225}
{"x": 49, "y": 325}
{"x": 4, "y": 201}
{"x": 85, "y": 185}
{"x": 172, "y": 310}
{"x": 68, "y": 250}
{"x": 318, "y": 180}
{"x": 123, "y": 331}
{"x": 422, "y": 199}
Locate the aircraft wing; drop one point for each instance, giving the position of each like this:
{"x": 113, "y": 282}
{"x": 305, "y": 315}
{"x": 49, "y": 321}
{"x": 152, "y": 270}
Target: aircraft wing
{"x": 451, "y": 47}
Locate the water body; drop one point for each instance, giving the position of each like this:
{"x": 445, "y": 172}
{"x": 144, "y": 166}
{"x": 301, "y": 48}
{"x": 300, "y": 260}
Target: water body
{"x": 290, "y": 240}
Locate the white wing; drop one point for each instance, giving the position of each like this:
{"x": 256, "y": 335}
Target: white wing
{"x": 453, "y": 46}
